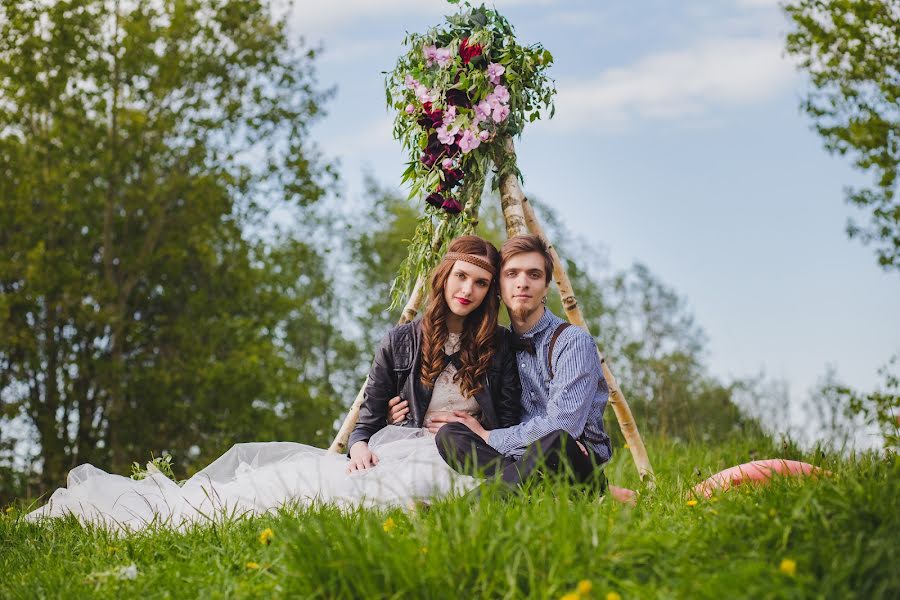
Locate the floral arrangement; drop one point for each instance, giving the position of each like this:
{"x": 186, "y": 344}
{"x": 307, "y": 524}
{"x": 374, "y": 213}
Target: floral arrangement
{"x": 458, "y": 91}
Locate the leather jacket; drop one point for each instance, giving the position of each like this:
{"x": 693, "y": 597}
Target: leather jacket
{"x": 396, "y": 372}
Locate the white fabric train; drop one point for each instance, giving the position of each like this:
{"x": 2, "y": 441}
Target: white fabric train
{"x": 254, "y": 478}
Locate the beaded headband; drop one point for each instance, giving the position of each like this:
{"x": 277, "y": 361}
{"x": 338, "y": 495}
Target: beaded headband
{"x": 472, "y": 259}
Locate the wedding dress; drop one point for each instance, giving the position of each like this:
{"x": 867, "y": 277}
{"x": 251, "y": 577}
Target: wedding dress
{"x": 254, "y": 478}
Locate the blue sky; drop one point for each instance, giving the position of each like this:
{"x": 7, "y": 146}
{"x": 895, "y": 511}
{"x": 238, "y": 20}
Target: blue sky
{"x": 678, "y": 143}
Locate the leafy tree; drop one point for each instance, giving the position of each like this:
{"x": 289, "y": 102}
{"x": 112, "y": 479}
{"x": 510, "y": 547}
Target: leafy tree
{"x": 851, "y": 51}
{"x": 146, "y": 301}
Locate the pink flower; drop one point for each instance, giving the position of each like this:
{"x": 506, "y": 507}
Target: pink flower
{"x": 501, "y": 113}
{"x": 410, "y": 82}
{"x": 494, "y": 72}
{"x": 484, "y": 135}
{"x": 450, "y": 114}
{"x": 501, "y": 94}
{"x": 469, "y": 141}
{"x": 483, "y": 110}
{"x": 422, "y": 94}
{"x": 410, "y": 109}
{"x": 447, "y": 163}
{"x": 443, "y": 57}
{"x": 446, "y": 134}
{"x": 430, "y": 53}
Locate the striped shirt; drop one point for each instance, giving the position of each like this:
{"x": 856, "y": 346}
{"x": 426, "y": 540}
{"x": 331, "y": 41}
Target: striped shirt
{"x": 572, "y": 402}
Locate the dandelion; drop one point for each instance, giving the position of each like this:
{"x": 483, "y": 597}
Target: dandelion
{"x": 788, "y": 566}
{"x": 613, "y": 596}
{"x": 252, "y": 565}
{"x": 389, "y": 525}
{"x": 266, "y": 536}
{"x": 584, "y": 587}
{"x": 692, "y": 503}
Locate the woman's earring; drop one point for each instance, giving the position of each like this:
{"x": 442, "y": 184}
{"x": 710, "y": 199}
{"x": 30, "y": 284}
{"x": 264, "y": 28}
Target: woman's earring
{"x": 544, "y": 300}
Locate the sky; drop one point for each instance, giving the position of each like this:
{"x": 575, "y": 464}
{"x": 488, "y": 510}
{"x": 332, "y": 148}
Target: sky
{"x": 678, "y": 142}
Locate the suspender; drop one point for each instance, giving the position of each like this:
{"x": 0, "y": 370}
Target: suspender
{"x": 556, "y": 333}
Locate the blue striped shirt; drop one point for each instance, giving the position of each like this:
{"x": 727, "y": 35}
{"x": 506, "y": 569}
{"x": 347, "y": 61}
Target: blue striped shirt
{"x": 572, "y": 402}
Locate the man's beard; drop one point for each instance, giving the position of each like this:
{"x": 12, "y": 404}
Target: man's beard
{"x": 522, "y": 314}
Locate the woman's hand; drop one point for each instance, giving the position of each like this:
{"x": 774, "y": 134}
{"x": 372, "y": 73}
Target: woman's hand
{"x": 397, "y": 410}
{"x": 361, "y": 458}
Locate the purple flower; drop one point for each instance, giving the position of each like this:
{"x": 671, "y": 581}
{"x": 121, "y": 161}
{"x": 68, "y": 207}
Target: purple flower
{"x": 452, "y": 178}
{"x": 452, "y": 206}
{"x": 469, "y": 141}
{"x": 501, "y": 94}
{"x": 458, "y": 97}
{"x": 431, "y": 118}
{"x": 410, "y": 83}
{"x": 430, "y": 53}
{"x": 435, "y": 199}
{"x": 443, "y": 57}
{"x": 410, "y": 109}
{"x": 494, "y": 72}
{"x": 484, "y": 135}
{"x": 447, "y": 163}
{"x": 501, "y": 113}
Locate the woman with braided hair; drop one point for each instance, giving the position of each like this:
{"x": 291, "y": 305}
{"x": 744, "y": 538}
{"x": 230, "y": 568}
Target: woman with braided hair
{"x": 454, "y": 359}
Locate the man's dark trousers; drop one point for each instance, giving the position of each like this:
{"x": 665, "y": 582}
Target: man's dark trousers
{"x": 466, "y": 452}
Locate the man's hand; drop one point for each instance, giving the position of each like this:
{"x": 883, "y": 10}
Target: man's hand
{"x": 397, "y": 410}
{"x": 361, "y": 458}
{"x": 465, "y": 418}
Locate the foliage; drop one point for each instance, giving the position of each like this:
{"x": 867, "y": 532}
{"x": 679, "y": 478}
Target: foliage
{"x": 839, "y": 532}
{"x": 851, "y": 52}
{"x": 460, "y": 91}
{"x": 147, "y": 302}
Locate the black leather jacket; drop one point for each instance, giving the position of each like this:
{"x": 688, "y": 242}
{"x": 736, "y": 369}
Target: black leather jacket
{"x": 396, "y": 371}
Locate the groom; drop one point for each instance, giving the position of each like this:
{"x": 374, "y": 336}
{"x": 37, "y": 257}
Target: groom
{"x": 563, "y": 389}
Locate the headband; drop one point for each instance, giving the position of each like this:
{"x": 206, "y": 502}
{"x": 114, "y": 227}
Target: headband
{"x": 473, "y": 260}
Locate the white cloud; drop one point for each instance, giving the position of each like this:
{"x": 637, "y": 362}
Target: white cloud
{"x": 681, "y": 85}
{"x": 318, "y": 17}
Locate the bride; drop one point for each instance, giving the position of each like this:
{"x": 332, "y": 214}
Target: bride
{"x": 456, "y": 358}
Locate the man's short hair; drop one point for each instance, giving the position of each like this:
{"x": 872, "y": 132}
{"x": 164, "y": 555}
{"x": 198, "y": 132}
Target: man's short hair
{"x": 522, "y": 244}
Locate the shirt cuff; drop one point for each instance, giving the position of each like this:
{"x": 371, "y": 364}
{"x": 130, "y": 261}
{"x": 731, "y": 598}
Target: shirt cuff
{"x": 495, "y": 440}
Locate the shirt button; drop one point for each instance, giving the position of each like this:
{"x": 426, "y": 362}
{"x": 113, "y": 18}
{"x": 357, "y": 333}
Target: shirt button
{"x": 523, "y": 365}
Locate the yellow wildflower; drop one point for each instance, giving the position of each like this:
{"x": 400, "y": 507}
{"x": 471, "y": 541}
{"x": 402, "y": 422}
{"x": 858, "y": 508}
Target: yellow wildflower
{"x": 9, "y": 509}
{"x": 252, "y": 565}
{"x": 788, "y": 566}
{"x": 584, "y": 587}
{"x": 570, "y": 596}
{"x": 626, "y": 446}
{"x": 266, "y": 536}
{"x": 423, "y": 550}
{"x": 613, "y": 596}
{"x": 389, "y": 525}
{"x": 692, "y": 503}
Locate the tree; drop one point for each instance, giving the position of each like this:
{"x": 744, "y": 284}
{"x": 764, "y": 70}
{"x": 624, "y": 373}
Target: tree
{"x": 851, "y": 51}
{"x": 147, "y": 301}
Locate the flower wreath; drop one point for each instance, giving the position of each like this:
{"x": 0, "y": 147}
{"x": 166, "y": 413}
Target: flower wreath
{"x": 458, "y": 90}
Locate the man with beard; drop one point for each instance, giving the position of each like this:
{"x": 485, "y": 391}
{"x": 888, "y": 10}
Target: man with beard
{"x": 564, "y": 392}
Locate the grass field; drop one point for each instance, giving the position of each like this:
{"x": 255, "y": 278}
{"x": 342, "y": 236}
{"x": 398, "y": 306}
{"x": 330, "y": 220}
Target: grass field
{"x": 832, "y": 537}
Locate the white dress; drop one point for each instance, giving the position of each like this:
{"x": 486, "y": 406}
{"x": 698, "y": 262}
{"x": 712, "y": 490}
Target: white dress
{"x": 254, "y": 478}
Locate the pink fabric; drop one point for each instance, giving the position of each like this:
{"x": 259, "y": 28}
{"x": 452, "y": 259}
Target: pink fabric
{"x": 758, "y": 470}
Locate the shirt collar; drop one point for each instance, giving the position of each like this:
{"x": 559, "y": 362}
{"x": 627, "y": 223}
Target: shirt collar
{"x": 543, "y": 323}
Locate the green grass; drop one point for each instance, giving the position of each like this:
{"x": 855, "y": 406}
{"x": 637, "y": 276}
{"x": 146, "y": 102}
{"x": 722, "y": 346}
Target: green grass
{"x": 841, "y": 530}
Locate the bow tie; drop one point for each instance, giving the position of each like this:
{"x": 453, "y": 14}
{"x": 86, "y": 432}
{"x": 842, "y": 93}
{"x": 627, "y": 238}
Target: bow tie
{"x": 520, "y": 344}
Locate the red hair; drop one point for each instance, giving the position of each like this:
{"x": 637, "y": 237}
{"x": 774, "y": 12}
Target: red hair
{"x": 478, "y": 339}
